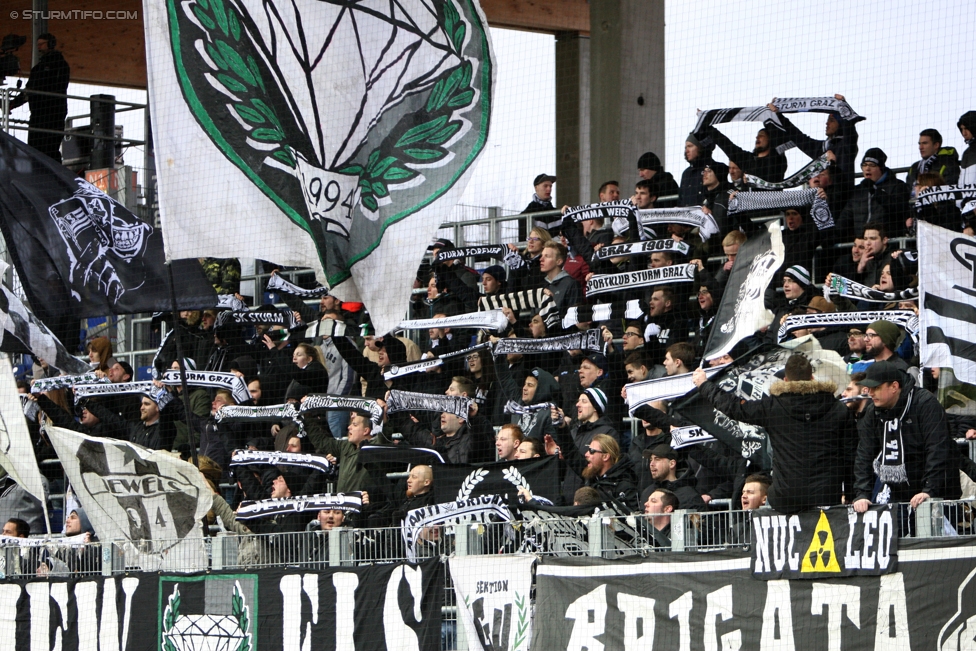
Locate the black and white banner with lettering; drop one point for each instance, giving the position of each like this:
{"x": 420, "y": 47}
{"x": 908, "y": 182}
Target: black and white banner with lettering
{"x": 283, "y": 317}
{"x": 804, "y": 174}
{"x": 533, "y": 299}
{"x": 213, "y": 380}
{"x": 255, "y": 510}
{"x": 417, "y": 523}
{"x": 460, "y": 481}
{"x": 904, "y": 318}
{"x": 783, "y": 105}
{"x": 489, "y": 250}
{"x": 314, "y": 461}
{"x": 608, "y": 210}
{"x": 388, "y": 607}
{"x": 490, "y": 320}
{"x": 40, "y": 385}
{"x": 691, "y": 216}
{"x": 683, "y": 437}
{"x": 841, "y": 286}
{"x": 495, "y": 593}
{"x": 776, "y": 200}
{"x": 588, "y": 340}
{"x": 632, "y": 309}
{"x": 826, "y": 543}
{"x": 675, "y": 273}
{"x": 948, "y": 295}
{"x": 966, "y": 194}
{"x": 278, "y": 284}
{"x": 711, "y": 601}
{"x": 409, "y": 401}
{"x": 148, "y": 498}
{"x": 742, "y": 311}
{"x": 663, "y": 388}
{"x": 645, "y": 247}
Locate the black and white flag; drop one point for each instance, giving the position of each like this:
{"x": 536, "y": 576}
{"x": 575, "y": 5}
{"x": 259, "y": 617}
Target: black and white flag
{"x": 904, "y": 318}
{"x": 278, "y": 284}
{"x": 80, "y": 253}
{"x": 495, "y": 593}
{"x": 490, "y": 320}
{"x": 255, "y": 510}
{"x": 675, "y": 273}
{"x": 948, "y": 295}
{"x": 298, "y": 459}
{"x": 533, "y": 299}
{"x": 608, "y": 210}
{"x": 742, "y": 311}
{"x": 22, "y": 332}
{"x": 690, "y": 216}
{"x": 628, "y": 249}
{"x": 804, "y": 174}
{"x": 662, "y": 388}
{"x": 460, "y": 253}
{"x": 213, "y": 380}
{"x": 150, "y": 498}
{"x": 409, "y": 401}
{"x": 841, "y": 286}
{"x": 540, "y": 476}
{"x": 774, "y": 200}
{"x": 589, "y": 340}
{"x": 632, "y": 309}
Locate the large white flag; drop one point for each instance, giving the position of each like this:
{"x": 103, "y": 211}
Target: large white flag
{"x": 149, "y": 499}
{"x": 16, "y": 450}
{"x": 947, "y": 292}
{"x": 329, "y": 134}
{"x": 493, "y": 600}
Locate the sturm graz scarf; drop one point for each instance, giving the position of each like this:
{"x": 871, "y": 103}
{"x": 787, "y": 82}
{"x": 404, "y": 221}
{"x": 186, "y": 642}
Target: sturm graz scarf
{"x": 801, "y": 177}
{"x": 589, "y": 340}
{"x": 629, "y": 310}
{"x": 160, "y": 395}
{"x": 683, "y": 437}
{"x": 767, "y": 201}
{"x": 321, "y": 402}
{"x": 409, "y": 401}
{"x": 493, "y": 250}
{"x": 742, "y": 114}
{"x": 484, "y": 509}
{"x": 783, "y": 105}
{"x": 904, "y": 318}
{"x": 284, "y": 318}
{"x": 533, "y": 299}
{"x": 676, "y": 273}
{"x": 488, "y": 320}
{"x": 272, "y": 413}
{"x": 940, "y": 193}
{"x": 629, "y": 249}
{"x": 43, "y": 384}
{"x": 691, "y": 216}
{"x": 313, "y": 461}
{"x": 841, "y": 286}
{"x": 278, "y": 284}
{"x": 254, "y": 510}
{"x": 608, "y": 210}
{"x": 213, "y": 380}
{"x": 889, "y": 465}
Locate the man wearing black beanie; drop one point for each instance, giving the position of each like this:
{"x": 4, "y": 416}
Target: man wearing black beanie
{"x": 880, "y": 197}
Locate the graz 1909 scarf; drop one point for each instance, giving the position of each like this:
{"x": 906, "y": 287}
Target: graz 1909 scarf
{"x": 213, "y": 380}
{"x": 767, "y": 201}
{"x": 691, "y": 216}
{"x": 904, "y": 318}
{"x": 841, "y": 286}
{"x": 484, "y": 509}
{"x": 676, "y": 273}
{"x": 255, "y": 510}
{"x": 589, "y": 340}
{"x": 629, "y": 249}
{"x": 408, "y": 401}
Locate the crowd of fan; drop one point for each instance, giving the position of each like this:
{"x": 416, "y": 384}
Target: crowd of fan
{"x": 825, "y": 450}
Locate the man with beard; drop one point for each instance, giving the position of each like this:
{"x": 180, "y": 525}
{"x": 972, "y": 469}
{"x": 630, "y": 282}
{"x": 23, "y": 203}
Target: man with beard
{"x": 763, "y": 161}
{"x": 662, "y": 461}
{"x": 880, "y": 343}
{"x": 602, "y": 467}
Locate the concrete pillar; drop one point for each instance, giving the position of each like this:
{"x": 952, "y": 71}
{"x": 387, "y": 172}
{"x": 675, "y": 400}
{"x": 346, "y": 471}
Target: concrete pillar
{"x": 627, "y": 88}
{"x": 572, "y": 119}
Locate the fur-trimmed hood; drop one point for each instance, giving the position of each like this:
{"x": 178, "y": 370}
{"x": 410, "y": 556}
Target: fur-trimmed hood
{"x": 802, "y": 387}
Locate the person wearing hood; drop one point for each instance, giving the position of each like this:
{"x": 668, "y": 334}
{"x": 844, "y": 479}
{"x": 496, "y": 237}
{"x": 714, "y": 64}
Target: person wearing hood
{"x": 698, "y": 153}
{"x": 905, "y": 445}
{"x": 807, "y": 429}
{"x": 709, "y": 297}
{"x": 880, "y": 198}
{"x": 539, "y": 388}
{"x": 85, "y": 558}
{"x": 715, "y": 193}
{"x": 649, "y": 168}
{"x": 967, "y": 166}
{"x": 763, "y": 161}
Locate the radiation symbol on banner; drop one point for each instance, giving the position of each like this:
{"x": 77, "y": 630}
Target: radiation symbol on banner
{"x": 821, "y": 555}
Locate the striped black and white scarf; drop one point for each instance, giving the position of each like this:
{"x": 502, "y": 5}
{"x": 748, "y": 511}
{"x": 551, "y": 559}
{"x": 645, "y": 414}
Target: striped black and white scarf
{"x": 257, "y": 457}
{"x": 83, "y": 391}
{"x": 629, "y": 249}
{"x": 608, "y": 210}
{"x": 767, "y": 201}
{"x": 533, "y": 299}
{"x": 254, "y": 510}
{"x": 321, "y": 402}
{"x": 689, "y": 216}
{"x": 801, "y": 177}
{"x": 278, "y": 284}
{"x": 904, "y": 318}
{"x": 841, "y": 286}
{"x": 629, "y": 310}
{"x": 676, "y": 273}
{"x": 663, "y": 388}
{"x": 397, "y": 401}
{"x": 484, "y": 509}
{"x": 589, "y": 340}
{"x": 783, "y": 105}
{"x": 889, "y": 465}
{"x": 488, "y": 320}
{"x": 939, "y": 193}
{"x": 212, "y": 380}
{"x": 43, "y": 384}
{"x": 268, "y": 413}
{"x": 514, "y": 408}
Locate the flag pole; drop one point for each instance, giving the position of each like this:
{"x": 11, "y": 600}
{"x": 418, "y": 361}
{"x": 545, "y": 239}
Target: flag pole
{"x": 179, "y": 361}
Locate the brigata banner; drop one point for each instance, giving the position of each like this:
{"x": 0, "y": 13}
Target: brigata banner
{"x": 824, "y": 543}
{"x": 374, "y": 608}
{"x": 701, "y": 602}
{"x": 495, "y": 593}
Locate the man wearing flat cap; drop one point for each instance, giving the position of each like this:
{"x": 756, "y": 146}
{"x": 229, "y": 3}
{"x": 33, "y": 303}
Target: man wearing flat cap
{"x": 905, "y": 452}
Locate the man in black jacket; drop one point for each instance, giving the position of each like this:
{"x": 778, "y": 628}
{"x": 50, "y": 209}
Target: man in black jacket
{"x": 763, "y": 161}
{"x": 602, "y": 467}
{"x": 663, "y": 463}
{"x": 698, "y": 153}
{"x": 50, "y": 75}
{"x": 904, "y": 443}
{"x": 880, "y": 198}
{"x": 807, "y": 427}
{"x": 661, "y": 183}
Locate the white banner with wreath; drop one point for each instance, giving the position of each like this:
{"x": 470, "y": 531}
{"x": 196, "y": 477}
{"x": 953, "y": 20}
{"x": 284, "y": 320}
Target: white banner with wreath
{"x": 493, "y": 600}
